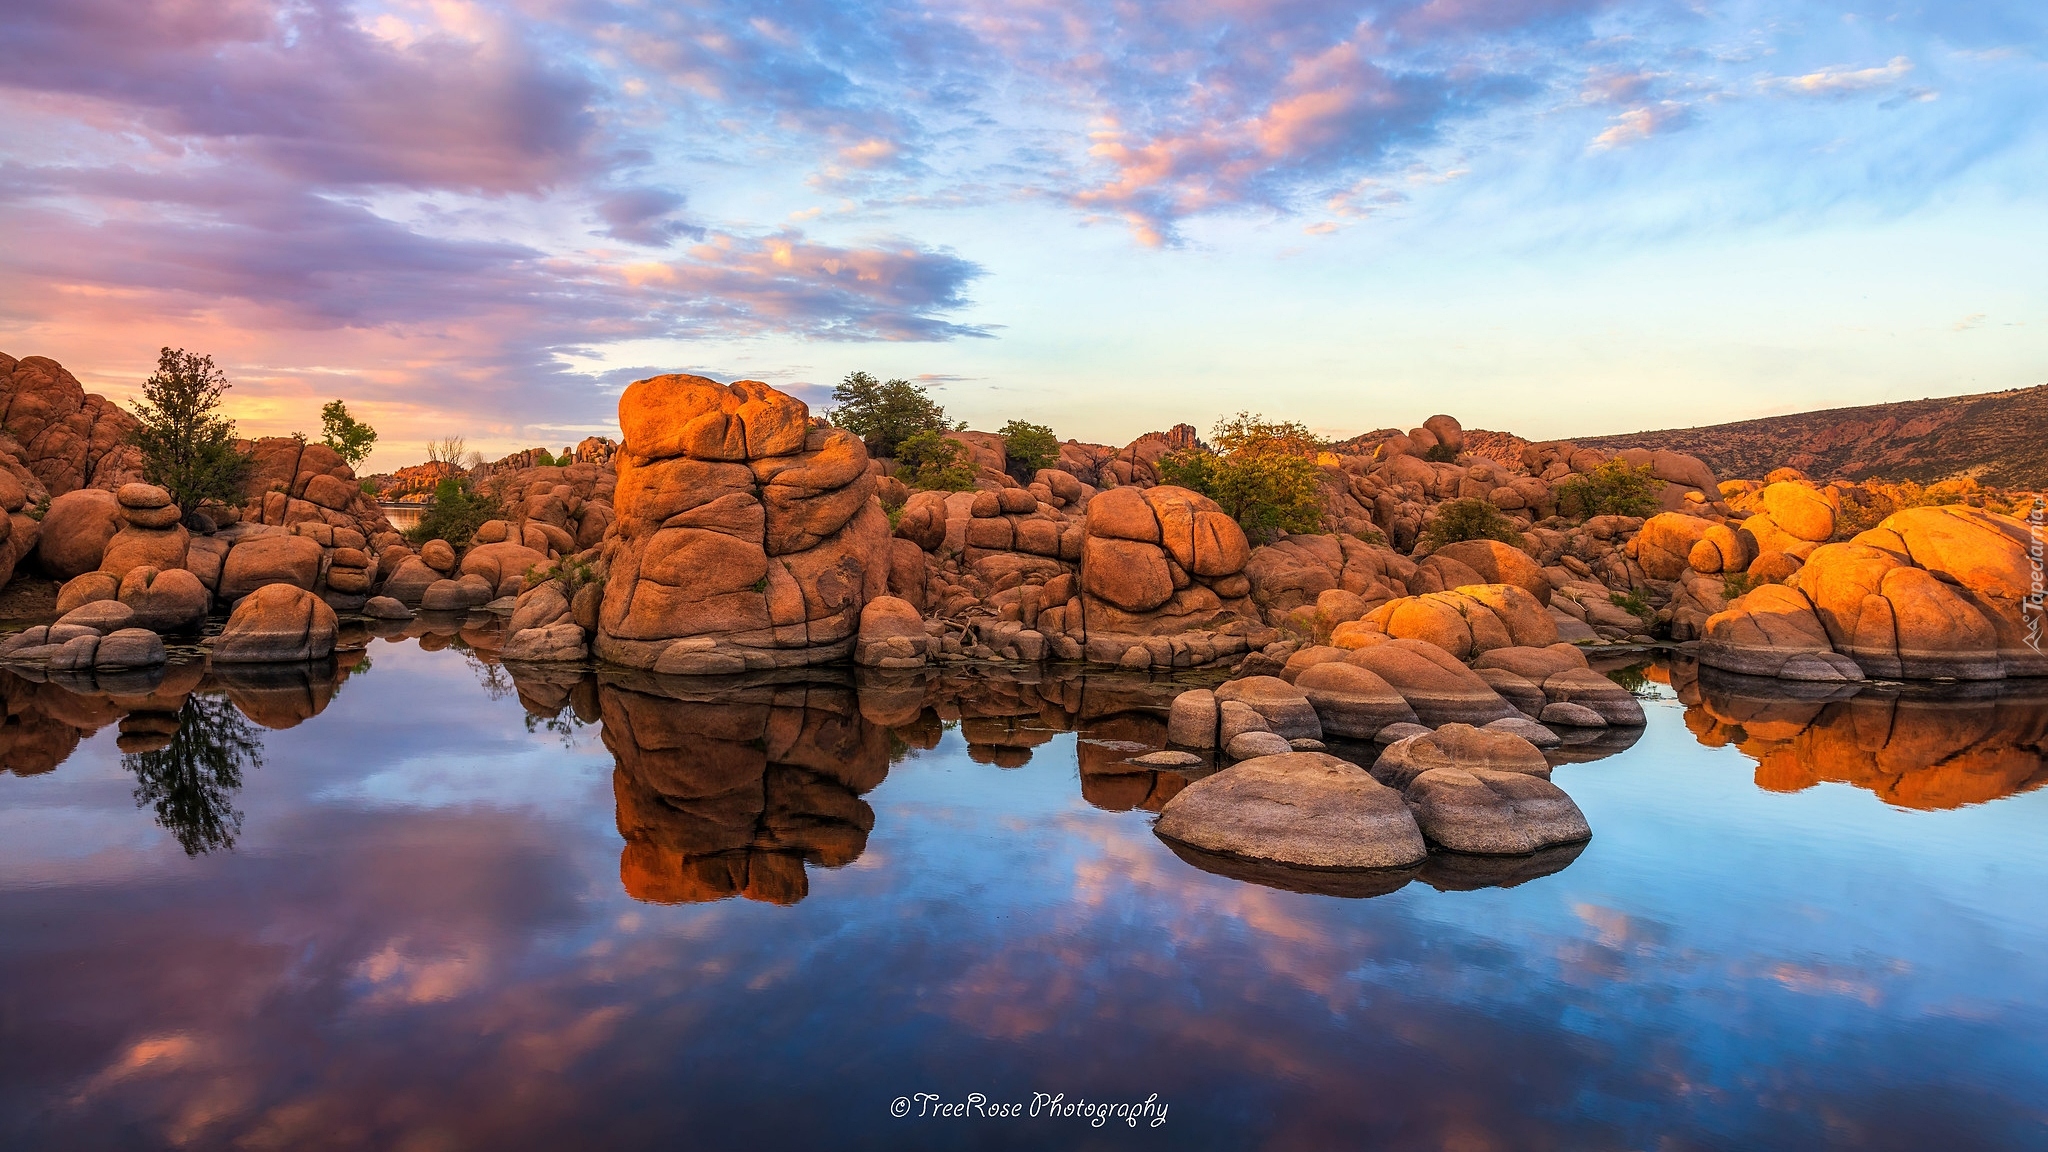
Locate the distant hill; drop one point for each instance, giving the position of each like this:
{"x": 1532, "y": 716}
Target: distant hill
{"x": 1999, "y": 438}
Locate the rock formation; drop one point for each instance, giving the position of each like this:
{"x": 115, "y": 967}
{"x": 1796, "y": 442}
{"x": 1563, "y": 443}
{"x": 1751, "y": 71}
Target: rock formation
{"x": 745, "y": 539}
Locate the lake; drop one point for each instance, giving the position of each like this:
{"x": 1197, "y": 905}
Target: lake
{"x": 420, "y": 901}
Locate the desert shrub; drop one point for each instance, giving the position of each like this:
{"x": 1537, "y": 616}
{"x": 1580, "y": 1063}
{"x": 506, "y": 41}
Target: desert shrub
{"x": 1029, "y": 448}
{"x": 574, "y": 572}
{"x": 457, "y": 512}
{"x": 188, "y": 448}
{"x": 1616, "y": 488}
{"x": 931, "y": 461}
{"x": 41, "y": 509}
{"x": 1470, "y": 518}
{"x": 1441, "y": 454}
{"x": 885, "y": 414}
{"x": 1261, "y": 472}
{"x": 1634, "y": 603}
{"x": 1737, "y": 584}
{"x": 349, "y": 437}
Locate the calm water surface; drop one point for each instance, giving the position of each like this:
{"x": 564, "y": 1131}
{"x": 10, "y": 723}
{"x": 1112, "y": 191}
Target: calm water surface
{"x": 420, "y": 904}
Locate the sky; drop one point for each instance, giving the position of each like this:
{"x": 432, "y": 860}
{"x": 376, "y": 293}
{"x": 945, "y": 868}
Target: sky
{"x": 1552, "y": 217}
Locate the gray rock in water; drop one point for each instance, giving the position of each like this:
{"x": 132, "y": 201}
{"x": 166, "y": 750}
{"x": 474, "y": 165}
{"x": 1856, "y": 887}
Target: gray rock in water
{"x": 1307, "y": 745}
{"x": 1251, "y": 745}
{"x": 129, "y": 648}
{"x": 1307, "y": 809}
{"x": 1167, "y": 759}
{"x": 1459, "y": 746}
{"x": 558, "y": 642}
{"x": 1572, "y": 715}
{"x": 386, "y": 608}
{"x": 1494, "y": 813}
{"x": 1528, "y": 730}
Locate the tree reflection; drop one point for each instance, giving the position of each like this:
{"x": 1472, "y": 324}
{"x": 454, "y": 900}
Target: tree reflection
{"x": 192, "y": 780}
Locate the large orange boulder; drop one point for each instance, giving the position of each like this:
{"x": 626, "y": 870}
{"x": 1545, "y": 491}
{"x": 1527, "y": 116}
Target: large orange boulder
{"x": 1491, "y": 561}
{"x": 1440, "y": 688}
{"x": 76, "y": 529}
{"x": 271, "y": 558}
{"x": 1774, "y": 631}
{"x": 744, "y": 537}
{"x": 1664, "y": 546}
{"x": 1469, "y": 620}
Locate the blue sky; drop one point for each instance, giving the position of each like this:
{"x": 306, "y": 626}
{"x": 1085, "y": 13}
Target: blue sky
{"x": 1546, "y": 216}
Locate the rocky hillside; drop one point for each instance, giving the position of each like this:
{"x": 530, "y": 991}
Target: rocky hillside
{"x": 1998, "y": 438}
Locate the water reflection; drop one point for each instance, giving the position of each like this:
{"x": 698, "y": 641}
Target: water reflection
{"x": 192, "y": 773}
{"x": 1913, "y": 747}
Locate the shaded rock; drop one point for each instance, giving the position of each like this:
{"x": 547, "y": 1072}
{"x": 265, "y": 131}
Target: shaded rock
{"x": 386, "y": 608}
{"x": 1352, "y": 701}
{"x": 277, "y": 623}
{"x": 1192, "y": 721}
{"x": 1285, "y": 709}
{"x": 1433, "y": 682}
{"x": 1572, "y": 715}
{"x": 100, "y": 615}
{"x": 553, "y": 643}
{"x": 1395, "y": 733}
{"x": 891, "y": 635}
{"x": 1459, "y": 746}
{"x": 129, "y": 648}
{"x": 86, "y": 588}
{"x": 75, "y": 532}
{"x": 171, "y": 601}
{"x": 264, "y": 560}
{"x": 1250, "y": 745}
{"x": 1305, "y": 809}
{"x": 1529, "y": 730}
{"x": 1494, "y": 813}
{"x": 1611, "y": 701}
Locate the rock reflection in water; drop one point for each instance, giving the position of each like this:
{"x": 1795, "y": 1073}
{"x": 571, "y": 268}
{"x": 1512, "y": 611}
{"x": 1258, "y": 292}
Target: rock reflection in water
{"x": 731, "y": 788}
{"x": 1914, "y": 747}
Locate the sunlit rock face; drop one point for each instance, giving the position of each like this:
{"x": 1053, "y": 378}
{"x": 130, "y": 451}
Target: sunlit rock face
{"x": 1930, "y": 593}
{"x": 746, "y": 538}
{"x": 1913, "y": 749}
{"x": 734, "y": 792}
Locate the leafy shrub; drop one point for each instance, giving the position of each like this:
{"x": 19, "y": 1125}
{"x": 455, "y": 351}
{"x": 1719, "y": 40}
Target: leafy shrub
{"x": 1441, "y": 454}
{"x": 1029, "y": 447}
{"x": 1737, "y": 584}
{"x": 41, "y": 509}
{"x": 349, "y": 437}
{"x": 187, "y": 447}
{"x": 1470, "y": 518}
{"x": 368, "y": 487}
{"x": 1633, "y": 602}
{"x": 457, "y": 512}
{"x": 884, "y": 414}
{"x": 1262, "y": 473}
{"x": 931, "y": 461}
{"x": 1616, "y": 488}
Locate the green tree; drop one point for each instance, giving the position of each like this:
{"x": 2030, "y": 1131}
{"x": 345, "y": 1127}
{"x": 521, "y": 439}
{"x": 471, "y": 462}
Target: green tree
{"x": 931, "y": 460}
{"x": 187, "y": 446}
{"x": 1029, "y": 448}
{"x": 1470, "y": 518}
{"x": 348, "y": 436}
{"x": 191, "y": 782}
{"x": 884, "y": 414}
{"x": 1615, "y": 488}
{"x": 457, "y": 512}
{"x": 1262, "y": 472}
